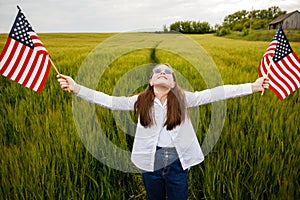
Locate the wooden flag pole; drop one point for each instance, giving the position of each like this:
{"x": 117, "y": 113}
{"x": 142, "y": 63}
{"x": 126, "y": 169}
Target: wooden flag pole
{"x": 268, "y": 70}
{"x": 53, "y": 65}
{"x": 269, "y": 66}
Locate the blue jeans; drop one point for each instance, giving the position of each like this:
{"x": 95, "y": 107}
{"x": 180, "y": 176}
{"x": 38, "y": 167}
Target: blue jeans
{"x": 168, "y": 180}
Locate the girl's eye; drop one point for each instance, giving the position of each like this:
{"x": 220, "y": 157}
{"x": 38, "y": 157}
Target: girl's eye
{"x": 168, "y": 71}
{"x": 157, "y": 70}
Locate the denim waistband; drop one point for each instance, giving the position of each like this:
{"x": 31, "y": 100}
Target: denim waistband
{"x": 164, "y": 156}
{"x": 167, "y": 150}
{"x": 170, "y": 148}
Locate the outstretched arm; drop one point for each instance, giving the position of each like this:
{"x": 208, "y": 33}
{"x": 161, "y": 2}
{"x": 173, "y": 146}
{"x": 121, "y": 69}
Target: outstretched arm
{"x": 226, "y": 92}
{"x": 99, "y": 98}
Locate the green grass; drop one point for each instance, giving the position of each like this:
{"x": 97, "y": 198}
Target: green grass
{"x": 42, "y": 156}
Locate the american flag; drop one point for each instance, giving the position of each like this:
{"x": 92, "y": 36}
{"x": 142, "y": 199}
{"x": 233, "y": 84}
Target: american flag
{"x": 24, "y": 58}
{"x": 281, "y": 65}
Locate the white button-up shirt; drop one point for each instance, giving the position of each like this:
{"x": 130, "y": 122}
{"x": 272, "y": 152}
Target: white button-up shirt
{"x": 164, "y": 139}
{"x": 182, "y": 137}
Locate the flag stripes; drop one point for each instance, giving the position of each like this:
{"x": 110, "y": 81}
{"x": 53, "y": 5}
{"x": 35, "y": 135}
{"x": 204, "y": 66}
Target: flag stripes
{"x": 24, "y": 65}
{"x": 38, "y": 45}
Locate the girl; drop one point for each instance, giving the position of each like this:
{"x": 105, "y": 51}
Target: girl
{"x": 165, "y": 144}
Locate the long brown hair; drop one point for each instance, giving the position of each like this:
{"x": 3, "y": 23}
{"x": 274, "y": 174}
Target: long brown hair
{"x": 176, "y": 106}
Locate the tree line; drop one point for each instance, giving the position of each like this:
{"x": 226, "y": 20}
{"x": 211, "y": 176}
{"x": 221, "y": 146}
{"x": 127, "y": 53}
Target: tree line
{"x": 242, "y": 21}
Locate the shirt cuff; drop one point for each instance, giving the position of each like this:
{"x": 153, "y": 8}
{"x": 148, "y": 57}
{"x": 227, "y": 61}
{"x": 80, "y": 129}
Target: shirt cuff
{"x": 77, "y": 88}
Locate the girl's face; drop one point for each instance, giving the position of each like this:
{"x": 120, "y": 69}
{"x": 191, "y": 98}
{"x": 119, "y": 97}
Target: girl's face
{"x": 163, "y": 76}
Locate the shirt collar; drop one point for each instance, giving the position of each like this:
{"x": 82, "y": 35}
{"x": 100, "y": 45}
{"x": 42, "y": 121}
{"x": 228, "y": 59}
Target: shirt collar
{"x": 157, "y": 101}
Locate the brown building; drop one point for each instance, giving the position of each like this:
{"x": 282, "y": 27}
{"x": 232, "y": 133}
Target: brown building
{"x": 288, "y": 21}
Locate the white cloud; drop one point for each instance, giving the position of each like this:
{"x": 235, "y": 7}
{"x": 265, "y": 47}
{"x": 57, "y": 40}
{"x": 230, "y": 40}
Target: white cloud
{"x": 125, "y": 15}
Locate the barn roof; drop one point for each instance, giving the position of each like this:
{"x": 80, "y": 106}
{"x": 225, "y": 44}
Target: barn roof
{"x": 282, "y": 17}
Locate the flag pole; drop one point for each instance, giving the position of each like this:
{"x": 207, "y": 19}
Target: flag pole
{"x": 268, "y": 70}
{"x": 53, "y": 65}
{"x": 269, "y": 66}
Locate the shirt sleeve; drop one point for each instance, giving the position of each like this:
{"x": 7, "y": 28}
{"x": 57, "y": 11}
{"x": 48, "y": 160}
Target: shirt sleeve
{"x": 107, "y": 101}
{"x": 217, "y": 94}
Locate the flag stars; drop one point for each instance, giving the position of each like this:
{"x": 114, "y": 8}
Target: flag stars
{"x": 283, "y": 47}
{"x": 20, "y": 31}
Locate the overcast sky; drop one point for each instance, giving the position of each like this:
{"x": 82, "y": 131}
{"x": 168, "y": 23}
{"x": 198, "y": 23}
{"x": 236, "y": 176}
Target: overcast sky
{"x": 125, "y": 15}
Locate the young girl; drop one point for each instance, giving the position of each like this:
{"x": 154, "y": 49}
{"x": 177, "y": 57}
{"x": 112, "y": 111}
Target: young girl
{"x": 165, "y": 144}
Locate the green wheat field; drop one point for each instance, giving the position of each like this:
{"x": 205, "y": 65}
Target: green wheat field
{"x": 42, "y": 155}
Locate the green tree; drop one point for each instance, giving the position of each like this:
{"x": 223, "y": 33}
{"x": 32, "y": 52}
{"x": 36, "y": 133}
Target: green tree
{"x": 255, "y": 19}
{"x": 176, "y": 27}
{"x": 191, "y": 27}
